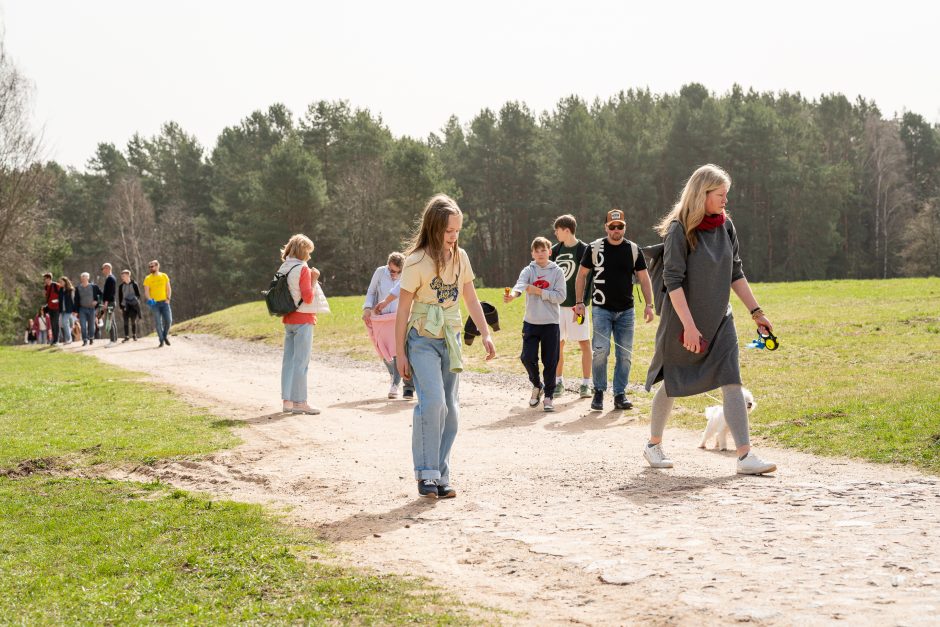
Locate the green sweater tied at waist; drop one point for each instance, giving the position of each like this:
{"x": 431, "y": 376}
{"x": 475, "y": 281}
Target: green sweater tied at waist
{"x": 436, "y": 318}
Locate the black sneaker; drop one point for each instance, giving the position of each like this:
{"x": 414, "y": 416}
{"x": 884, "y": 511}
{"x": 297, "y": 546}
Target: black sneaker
{"x": 428, "y": 489}
{"x": 167, "y": 341}
{"x": 446, "y": 492}
{"x": 621, "y": 402}
{"x": 598, "y": 401}
{"x": 161, "y": 344}
{"x": 408, "y": 394}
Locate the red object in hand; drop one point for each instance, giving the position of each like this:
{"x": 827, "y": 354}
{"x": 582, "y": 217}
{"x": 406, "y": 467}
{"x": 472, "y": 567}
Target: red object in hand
{"x": 702, "y": 342}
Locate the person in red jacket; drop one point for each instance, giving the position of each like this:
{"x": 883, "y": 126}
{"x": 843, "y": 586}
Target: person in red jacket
{"x": 41, "y": 326}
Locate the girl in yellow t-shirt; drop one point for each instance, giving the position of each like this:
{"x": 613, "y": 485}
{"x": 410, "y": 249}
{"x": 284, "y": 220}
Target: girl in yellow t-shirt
{"x": 437, "y": 273}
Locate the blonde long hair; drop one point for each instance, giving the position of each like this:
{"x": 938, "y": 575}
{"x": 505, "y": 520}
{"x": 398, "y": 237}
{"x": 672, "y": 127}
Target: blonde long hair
{"x": 429, "y": 236}
{"x": 690, "y": 209}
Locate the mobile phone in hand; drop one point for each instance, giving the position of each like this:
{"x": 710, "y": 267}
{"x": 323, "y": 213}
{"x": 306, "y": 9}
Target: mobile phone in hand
{"x": 702, "y": 342}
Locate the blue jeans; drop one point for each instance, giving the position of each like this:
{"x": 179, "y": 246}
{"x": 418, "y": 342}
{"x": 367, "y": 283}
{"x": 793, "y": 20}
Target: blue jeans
{"x": 65, "y": 327}
{"x": 620, "y": 323}
{"x": 162, "y": 318}
{"x": 396, "y": 376}
{"x": 298, "y": 340}
{"x": 86, "y": 321}
{"x": 434, "y": 424}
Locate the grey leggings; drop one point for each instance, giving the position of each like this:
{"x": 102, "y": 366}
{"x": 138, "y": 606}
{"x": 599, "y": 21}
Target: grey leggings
{"x": 733, "y": 403}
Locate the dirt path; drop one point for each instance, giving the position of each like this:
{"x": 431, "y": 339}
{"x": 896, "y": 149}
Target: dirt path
{"x": 558, "y": 518}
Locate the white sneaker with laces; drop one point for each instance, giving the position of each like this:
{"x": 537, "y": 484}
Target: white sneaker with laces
{"x": 656, "y": 456}
{"x": 754, "y": 465}
{"x": 548, "y": 404}
{"x": 536, "y": 397}
{"x": 393, "y": 391}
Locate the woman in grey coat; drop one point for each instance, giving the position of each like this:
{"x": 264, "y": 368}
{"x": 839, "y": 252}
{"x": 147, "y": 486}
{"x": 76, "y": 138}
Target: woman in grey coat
{"x": 696, "y": 342}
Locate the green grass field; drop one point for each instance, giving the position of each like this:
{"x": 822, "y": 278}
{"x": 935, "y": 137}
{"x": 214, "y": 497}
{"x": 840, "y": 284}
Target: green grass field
{"x": 72, "y": 411}
{"x": 87, "y": 551}
{"x": 856, "y": 374}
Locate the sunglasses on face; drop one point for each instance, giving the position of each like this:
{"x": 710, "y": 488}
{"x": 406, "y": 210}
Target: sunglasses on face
{"x": 616, "y": 227}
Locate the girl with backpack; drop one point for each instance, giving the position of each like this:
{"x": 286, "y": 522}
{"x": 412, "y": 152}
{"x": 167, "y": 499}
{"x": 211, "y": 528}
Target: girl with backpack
{"x": 696, "y": 342}
{"x": 129, "y": 302}
{"x": 298, "y": 325}
{"x": 437, "y": 273}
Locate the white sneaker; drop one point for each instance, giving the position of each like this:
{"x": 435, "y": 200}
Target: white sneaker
{"x": 656, "y": 456}
{"x": 548, "y": 404}
{"x": 393, "y": 391}
{"x": 536, "y": 397}
{"x": 754, "y": 465}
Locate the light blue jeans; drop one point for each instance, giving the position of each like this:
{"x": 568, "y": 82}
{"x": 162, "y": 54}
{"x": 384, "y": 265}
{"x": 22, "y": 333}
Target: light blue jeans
{"x": 434, "y": 424}
{"x": 65, "y": 327}
{"x": 298, "y": 340}
{"x": 392, "y": 367}
{"x": 620, "y": 324}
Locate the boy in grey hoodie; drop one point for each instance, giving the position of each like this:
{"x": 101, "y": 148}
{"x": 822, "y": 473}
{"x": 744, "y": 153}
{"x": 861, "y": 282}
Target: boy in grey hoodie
{"x": 544, "y": 284}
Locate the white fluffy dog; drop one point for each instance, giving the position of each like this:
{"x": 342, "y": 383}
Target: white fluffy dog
{"x": 716, "y": 422}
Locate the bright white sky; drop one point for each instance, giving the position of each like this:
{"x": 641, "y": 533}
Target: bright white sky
{"x": 104, "y": 69}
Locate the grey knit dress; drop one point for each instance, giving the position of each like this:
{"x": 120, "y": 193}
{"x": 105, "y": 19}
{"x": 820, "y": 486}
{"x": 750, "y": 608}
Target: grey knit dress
{"x": 705, "y": 275}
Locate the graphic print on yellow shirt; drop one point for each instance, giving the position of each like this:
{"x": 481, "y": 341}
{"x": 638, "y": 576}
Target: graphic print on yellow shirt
{"x": 420, "y": 277}
{"x": 445, "y": 291}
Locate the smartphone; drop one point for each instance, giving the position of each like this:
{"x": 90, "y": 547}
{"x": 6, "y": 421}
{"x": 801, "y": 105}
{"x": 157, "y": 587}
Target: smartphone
{"x": 702, "y": 342}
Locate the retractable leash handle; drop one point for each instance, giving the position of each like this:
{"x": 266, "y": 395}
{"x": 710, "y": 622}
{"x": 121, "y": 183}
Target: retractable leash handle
{"x": 764, "y": 339}
{"x": 770, "y": 340}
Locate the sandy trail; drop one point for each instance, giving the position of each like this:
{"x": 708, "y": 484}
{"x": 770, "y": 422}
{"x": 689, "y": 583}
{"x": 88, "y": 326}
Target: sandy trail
{"x": 558, "y": 519}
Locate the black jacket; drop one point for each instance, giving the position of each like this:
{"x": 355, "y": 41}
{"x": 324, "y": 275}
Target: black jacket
{"x": 110, "y": 287}
{"x": 122, "y": 287}
{"x": 67, "y": 300}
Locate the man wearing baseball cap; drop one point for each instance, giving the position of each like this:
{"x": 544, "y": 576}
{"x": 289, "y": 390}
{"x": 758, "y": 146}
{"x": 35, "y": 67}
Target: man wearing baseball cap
{"x": 612, "y": 262}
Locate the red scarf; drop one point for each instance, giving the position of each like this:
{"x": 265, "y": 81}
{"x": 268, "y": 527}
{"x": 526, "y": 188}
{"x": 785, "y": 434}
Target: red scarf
{"x": 710, "y": 222}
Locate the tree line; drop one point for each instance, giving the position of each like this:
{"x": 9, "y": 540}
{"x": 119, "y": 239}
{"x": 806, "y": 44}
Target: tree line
{"x": 822, "y": 189}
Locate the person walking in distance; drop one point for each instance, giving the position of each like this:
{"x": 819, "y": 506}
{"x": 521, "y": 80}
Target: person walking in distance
{"x": 53, "y": 306}
{"x": 129, "y": 301}
{"x": 87, "y": 297}
{"x": 42, "y": 325}
{"x": 108, "y": 296}
{"x": 437, "y": 273}
{"x": 696, "y": 341}
{"x": 298, "y": 325}
{"x": 543, "y": 283}
{"x": 567, "y": 253}
{"x": 612, "y": 262}
{"x": 67, "y": 311}
{"x": 157, "y": 292}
